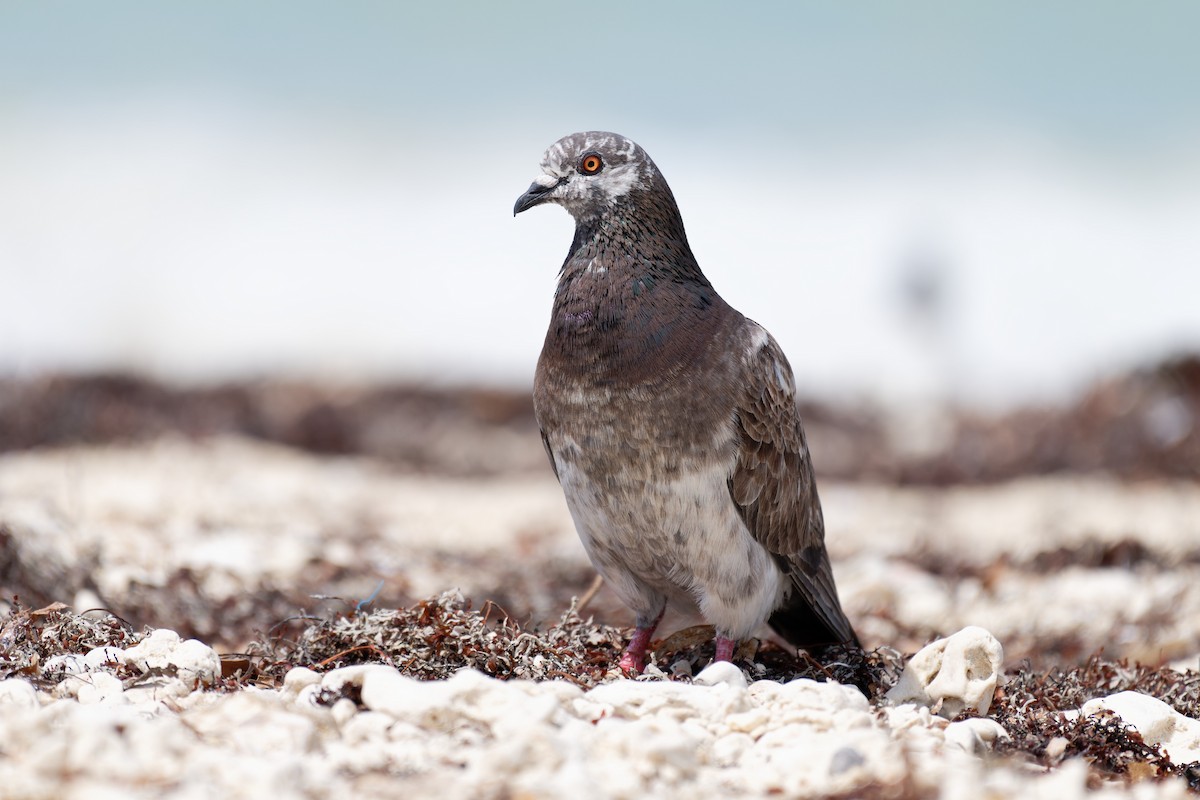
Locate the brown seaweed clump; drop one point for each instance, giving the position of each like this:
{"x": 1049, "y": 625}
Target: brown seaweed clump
{"x": 1031, "y": 708}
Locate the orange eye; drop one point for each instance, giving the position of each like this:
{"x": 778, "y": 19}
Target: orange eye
{"x": 590, "y": 164}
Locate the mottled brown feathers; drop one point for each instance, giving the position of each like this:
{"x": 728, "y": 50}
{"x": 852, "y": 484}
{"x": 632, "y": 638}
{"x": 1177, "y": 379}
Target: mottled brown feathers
{"x": 775, "y": 490}
{"x": 670, "y": 419}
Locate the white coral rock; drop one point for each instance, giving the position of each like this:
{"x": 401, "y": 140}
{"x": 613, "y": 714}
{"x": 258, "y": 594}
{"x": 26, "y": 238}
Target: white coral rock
{"x": 953, "y": 674}
{"x": 721, "y": 673}
{"x": 18, "y": 694}
{"x": 975, "y": 735}
{"x": 192, "y": 661}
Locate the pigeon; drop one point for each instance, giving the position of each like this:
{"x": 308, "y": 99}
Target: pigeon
{"x": 670, "y": 419}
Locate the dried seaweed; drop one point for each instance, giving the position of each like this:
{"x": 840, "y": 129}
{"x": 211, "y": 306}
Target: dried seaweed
{"x": 1030, "y": 706}
{"x": 30, "y": 638}
{"x": 437, "y": 637}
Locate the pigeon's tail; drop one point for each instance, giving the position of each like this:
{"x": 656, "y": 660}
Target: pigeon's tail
{"x": 801, "y": 626}
{"x": 811, "y": 614}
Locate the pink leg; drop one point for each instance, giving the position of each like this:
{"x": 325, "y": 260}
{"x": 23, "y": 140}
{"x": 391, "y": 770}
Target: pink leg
{"x": 633, "y": 660}
{"x": 725, "y": 648}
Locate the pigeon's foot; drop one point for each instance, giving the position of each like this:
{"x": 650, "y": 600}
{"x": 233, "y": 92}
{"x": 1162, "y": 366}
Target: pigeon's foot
{"x": 633, "y": 663}
{"x": 633, "y": 660}
{"x": 725, "y": 648}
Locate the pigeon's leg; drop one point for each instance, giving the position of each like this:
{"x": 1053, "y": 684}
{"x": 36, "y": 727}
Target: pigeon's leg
{"x": 633, "y": 660}
{"x": 725, "y": 648}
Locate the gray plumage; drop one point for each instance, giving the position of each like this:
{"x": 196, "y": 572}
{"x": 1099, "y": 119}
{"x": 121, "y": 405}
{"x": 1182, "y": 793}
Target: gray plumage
{"x": 670, "y": 419}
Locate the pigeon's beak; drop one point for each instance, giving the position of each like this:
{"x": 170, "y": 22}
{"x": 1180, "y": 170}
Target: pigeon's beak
{"x": 537, "y": 194}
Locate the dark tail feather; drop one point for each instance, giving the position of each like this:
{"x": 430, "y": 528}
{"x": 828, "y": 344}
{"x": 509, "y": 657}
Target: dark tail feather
{"x": 801, "y": 626}
{"x": 811, "y": 615}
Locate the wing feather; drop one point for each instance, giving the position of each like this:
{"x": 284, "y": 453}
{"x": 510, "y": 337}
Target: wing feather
{"x": 775, "y": 491}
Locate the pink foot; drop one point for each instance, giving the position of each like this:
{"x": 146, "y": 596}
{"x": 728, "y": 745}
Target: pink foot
{"x": 632, "y": 663}
{"x": 725, "y": 648}
{"x": 633, "y": 660}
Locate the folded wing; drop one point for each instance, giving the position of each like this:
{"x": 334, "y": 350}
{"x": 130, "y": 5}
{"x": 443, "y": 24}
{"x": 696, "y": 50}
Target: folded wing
{"x": 775, "y": 491}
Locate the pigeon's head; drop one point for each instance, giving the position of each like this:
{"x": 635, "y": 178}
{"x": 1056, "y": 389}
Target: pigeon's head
{"x": 590, "y": 174}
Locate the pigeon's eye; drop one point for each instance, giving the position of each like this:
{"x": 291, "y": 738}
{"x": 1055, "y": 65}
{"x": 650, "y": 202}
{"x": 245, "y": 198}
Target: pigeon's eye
{"x": 590, "y": 164}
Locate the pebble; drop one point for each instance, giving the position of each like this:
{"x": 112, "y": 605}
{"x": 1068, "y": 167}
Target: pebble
{"x": 953, "y": 674}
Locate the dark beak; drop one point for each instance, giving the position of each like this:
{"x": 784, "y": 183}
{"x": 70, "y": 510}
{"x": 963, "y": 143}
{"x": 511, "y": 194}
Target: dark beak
{"x": 536, "y": 195}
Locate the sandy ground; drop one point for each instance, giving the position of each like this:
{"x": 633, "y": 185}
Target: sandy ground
{"x": 222, "y": 538}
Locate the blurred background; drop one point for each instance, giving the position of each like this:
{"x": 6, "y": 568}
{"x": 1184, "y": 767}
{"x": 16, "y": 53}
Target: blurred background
{"x": 997, "y": 202}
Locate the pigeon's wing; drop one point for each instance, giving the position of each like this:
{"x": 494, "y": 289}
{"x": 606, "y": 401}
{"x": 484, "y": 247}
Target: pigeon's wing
{"x": 773, "y": 486}
{"x": 549, "y": 453}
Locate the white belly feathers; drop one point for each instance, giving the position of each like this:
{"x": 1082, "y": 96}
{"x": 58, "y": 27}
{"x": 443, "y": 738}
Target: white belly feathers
{"x": 677, "y": 540}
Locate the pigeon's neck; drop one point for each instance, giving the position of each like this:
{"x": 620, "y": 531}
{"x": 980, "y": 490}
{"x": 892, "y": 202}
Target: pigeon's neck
{"x": 631, "y": 300}
{"x": 632, "y": 238}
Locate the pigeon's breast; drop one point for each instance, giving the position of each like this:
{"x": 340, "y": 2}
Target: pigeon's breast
{"x": 620, "y": 417}
{"x": 635, "y": 430}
